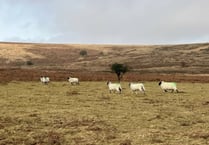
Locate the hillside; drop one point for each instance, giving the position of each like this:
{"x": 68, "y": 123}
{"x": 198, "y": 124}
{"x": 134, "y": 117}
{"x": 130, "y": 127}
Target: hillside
{"x": 186, "y": 58}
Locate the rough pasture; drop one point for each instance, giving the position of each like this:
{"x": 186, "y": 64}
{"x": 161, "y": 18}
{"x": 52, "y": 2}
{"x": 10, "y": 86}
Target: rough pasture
{"x": 58, "y": 113}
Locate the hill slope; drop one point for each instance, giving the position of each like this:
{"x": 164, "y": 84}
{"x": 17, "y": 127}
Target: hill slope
{"x": 187, "y": 58}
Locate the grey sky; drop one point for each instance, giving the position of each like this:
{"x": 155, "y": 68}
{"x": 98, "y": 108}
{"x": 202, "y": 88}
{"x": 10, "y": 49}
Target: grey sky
{"x": 105, "y": 21}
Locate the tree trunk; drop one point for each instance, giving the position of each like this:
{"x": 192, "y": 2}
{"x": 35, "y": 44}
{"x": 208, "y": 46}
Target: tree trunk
{"x": 119, "y": 75}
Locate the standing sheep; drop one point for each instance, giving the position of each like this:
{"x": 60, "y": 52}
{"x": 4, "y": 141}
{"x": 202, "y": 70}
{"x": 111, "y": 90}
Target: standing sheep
{"x": 73, "y": 81}
{"x": 136, "y": 87}
{"x": 114, "y": 87}
{"x": 44, "y": 80}
{"x": 165, "y": 86}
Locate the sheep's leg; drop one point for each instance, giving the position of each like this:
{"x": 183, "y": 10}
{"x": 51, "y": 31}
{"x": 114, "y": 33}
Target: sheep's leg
{"x": 120, "y": 90}
{"x": 142, "y": 89}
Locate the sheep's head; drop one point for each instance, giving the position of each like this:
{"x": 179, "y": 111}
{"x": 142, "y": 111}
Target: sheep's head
{"x": 108, "y": 82}
{"x": 160, "y": 83}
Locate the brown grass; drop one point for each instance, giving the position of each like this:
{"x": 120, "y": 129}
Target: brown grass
{"x": 58, "y": 113}
{"x": 187, "y": 58}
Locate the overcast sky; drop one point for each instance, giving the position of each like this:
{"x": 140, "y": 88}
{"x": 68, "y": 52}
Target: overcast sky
{"x": 105, "y": 21}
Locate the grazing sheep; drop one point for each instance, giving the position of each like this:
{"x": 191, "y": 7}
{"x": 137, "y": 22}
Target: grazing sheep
{"x": 44, "y": 80}
{"x": 114, "y": 87}
{"x": 136, "y": 87}
{"x": 73, "y": 81}
{"x": 165, "y": 86}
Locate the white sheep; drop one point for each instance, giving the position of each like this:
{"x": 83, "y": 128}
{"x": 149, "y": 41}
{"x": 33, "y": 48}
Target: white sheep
{"x": 73, "y": 81}
{"x": 166, "y": 86}
{"x": 136, "y": 87}
{"x": 114, "y": 87}
{"x": 44, "y": 80}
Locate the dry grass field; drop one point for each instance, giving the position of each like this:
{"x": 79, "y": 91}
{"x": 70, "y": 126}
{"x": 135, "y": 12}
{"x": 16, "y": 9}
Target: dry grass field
{"x": 60, "y": 114}
{"x": 35, "y": 114}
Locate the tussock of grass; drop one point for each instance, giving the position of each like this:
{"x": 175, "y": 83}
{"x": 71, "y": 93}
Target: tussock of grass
{"x": 58, "y": 113}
